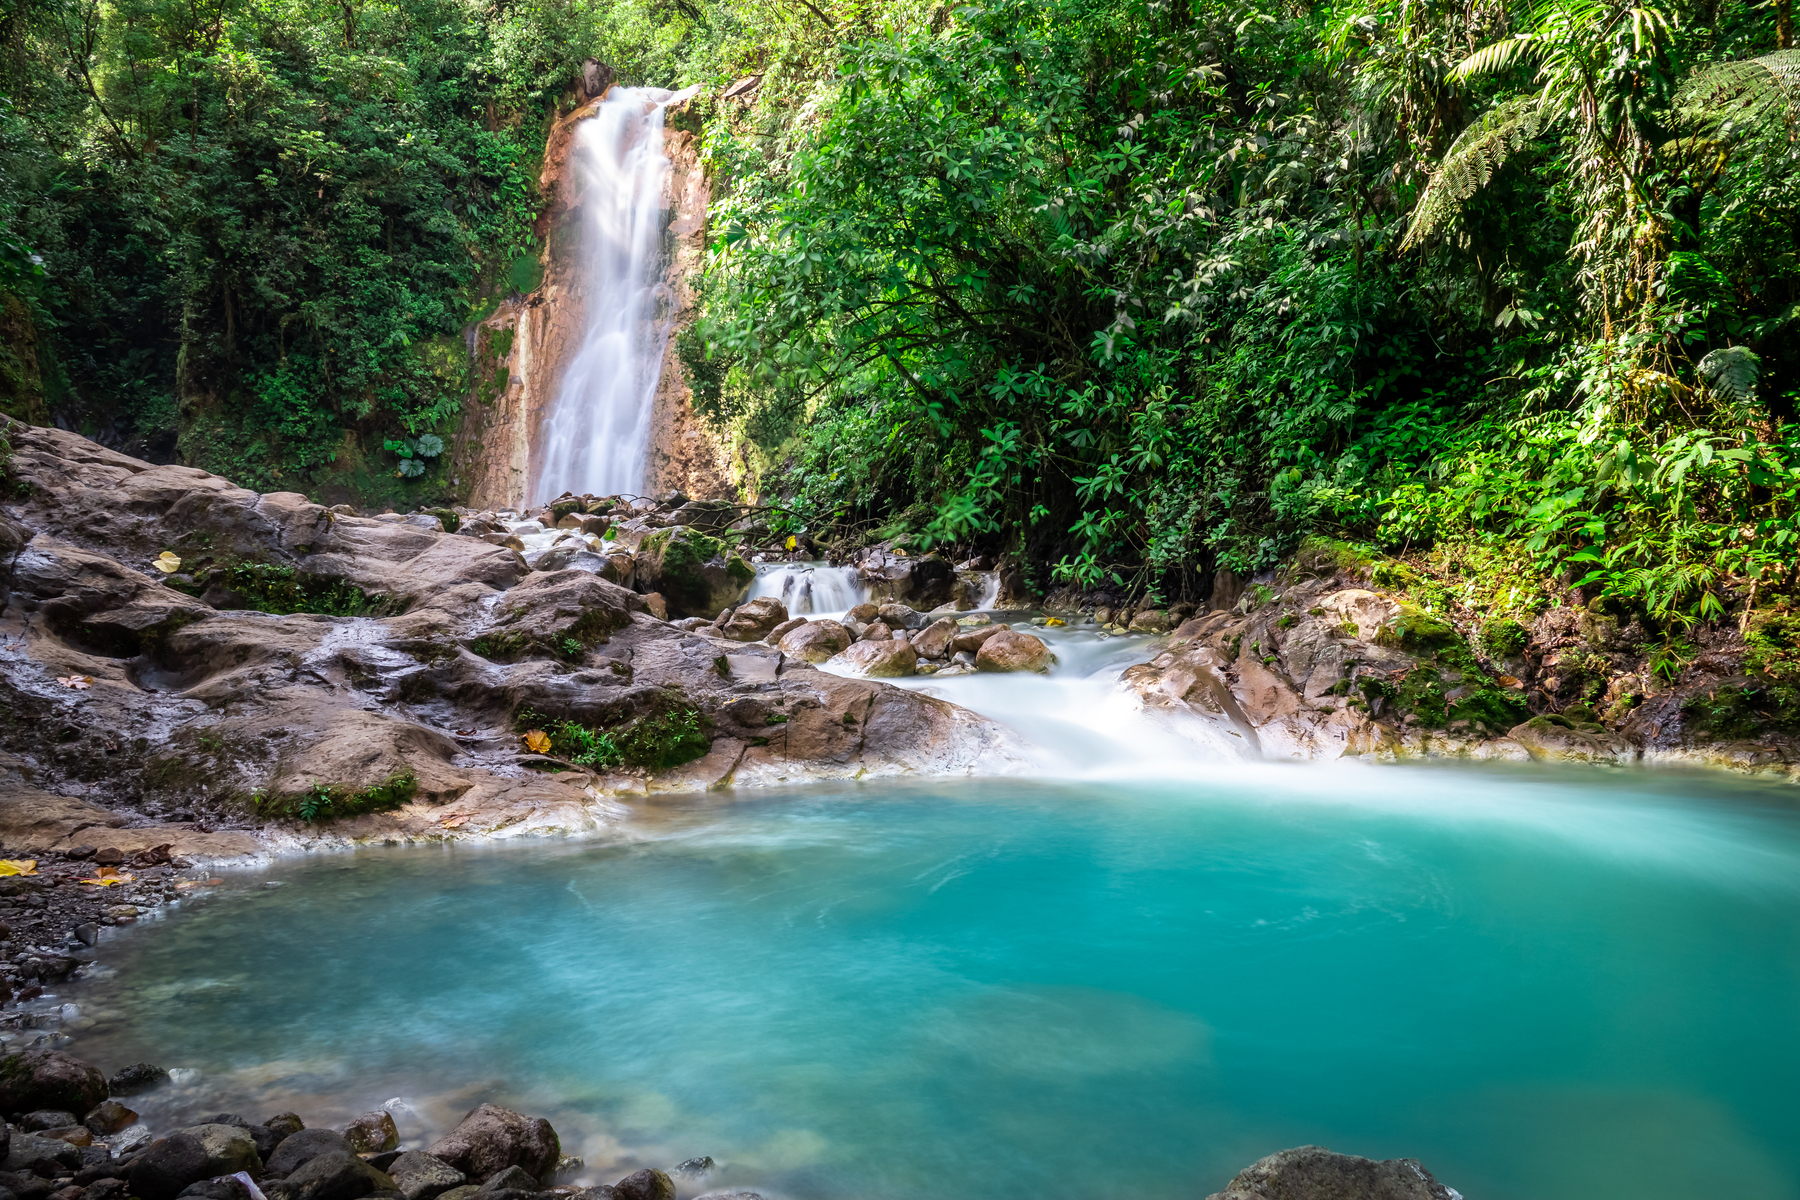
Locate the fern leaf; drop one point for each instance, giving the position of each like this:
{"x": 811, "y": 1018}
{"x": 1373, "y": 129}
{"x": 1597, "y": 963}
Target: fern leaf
{"x": 1491, "y": 60}
{"x": 1751, "y": 92}
{"x": 1471, "y": 161}
{"x": 1732, "y": 372}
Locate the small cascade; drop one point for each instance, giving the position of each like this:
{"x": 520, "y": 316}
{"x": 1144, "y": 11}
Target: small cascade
{"x": 596, "y": 434}
{"x": 808, "y": 591}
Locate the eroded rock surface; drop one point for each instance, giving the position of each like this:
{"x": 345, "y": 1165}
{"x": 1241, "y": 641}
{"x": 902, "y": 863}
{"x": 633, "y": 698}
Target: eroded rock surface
{"x": 1315, "y": 1173}
{"x": 153, "y": 707}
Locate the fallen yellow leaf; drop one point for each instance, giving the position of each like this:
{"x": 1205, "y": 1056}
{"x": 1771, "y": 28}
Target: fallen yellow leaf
{"x": 1056, "y": 621}
{"x": 538, "y": 741}
{"x": 793, "y": 543}
{"x": 106, "y": 880}
{"x": 167, "y": 562}
{"x": 18, "y": 866}
{"x": 1509, "y": 681}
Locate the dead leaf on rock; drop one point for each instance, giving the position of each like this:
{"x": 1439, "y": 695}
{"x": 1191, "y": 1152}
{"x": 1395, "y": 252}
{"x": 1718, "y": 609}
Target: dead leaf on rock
{"x": 18, "y": 866}
{"x": 167, "y": 562}
{"x": 465, "y": 733}
{"x": 107, "y": 877}
{"x": 79, "y": 682}
{"x": 1509, "y": 681}
{"x": 454, "y": 820}
{"x": 537, "y": 741}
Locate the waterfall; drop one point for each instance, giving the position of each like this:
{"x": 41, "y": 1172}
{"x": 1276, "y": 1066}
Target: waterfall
{"x": 596, "y": 434}
{"x": 811, "y": 590}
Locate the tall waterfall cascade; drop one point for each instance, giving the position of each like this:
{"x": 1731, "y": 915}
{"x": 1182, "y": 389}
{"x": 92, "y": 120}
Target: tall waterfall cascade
{"x": 596, "y": 433}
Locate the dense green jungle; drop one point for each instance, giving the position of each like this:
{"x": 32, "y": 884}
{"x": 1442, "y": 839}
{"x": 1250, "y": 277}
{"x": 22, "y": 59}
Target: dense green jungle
{"x": 1497, "y": 297}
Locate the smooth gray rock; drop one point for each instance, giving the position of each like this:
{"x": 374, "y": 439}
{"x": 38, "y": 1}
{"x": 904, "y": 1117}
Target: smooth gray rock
{"x": 645, "y": 1185}
{"x": 27, "y": 1148}
{"x": 421, "y": 1176}
{"x": 138, "y": 1077}
{"x": 298, "y": 1149}
{"x": 334, "y": 1175}
{"x": 1315, "y": 1173}
{"x": 513, "y": 1179}
{"x": 37, "y": 1122}
{"x": 198, "y": 1152}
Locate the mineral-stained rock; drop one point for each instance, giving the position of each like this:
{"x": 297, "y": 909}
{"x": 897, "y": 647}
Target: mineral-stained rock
{"x": 1315, "y": 1173}
{"x": 815, "y": 641}
{"x": 1149, "y": 620}
{"x": 1558, "y": 738}
{"x": 753, "y": 620}
{"x": 49, "y": 1079}
{"x": 284, "y": 1125}
{"x": 875, "y": 631}
{"x": 774, "y": 636}
{"x": 1012, "y": 651}
{"x": 880, "y": 660}
{"x": 196, "y": 1153}
{"x": 372, "y": 1133}
{"x": 695, "y": 573}
{"x": 490, "y": 1139}
{"x": 422, "y": 1176}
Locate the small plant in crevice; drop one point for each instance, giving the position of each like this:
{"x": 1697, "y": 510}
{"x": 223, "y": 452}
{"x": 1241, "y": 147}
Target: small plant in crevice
{"x": 331, "y": 802}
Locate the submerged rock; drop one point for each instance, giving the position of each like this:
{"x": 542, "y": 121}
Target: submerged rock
{"x": 1315, "y": 1173}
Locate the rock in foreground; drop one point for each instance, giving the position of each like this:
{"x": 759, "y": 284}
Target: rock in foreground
{"x": 1315, "y": 1173}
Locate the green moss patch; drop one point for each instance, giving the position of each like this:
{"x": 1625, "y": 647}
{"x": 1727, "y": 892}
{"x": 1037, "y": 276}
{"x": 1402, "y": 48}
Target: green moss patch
{"x": 282, "y": 590}
{"x": 333, "y": 802}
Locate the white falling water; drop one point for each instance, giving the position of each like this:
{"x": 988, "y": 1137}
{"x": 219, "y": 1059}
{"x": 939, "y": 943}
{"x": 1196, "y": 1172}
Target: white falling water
{"x": 597, "y": 432}
{"x": 810, "y": 591}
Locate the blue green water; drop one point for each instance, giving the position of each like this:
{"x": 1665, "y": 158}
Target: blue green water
{"x": 1543, "y": 986}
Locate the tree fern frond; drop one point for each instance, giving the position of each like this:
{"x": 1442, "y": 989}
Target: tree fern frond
{"x": 1490, "y": 60}
{"x": 1471, "y": 161}
{"x": 1752, "y": 92}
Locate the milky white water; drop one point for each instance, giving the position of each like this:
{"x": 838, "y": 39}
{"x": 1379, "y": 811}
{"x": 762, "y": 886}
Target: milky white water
{"x": 596, "y": 434}
{"x": 809, "y": 590}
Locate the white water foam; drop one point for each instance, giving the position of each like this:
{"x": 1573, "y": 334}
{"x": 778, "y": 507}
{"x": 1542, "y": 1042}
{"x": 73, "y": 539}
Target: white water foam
{"x": 811, "y": 591}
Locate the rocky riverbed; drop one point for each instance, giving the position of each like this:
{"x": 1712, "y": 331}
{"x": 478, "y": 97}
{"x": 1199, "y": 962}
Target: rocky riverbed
{"x": 71, "y": 1133}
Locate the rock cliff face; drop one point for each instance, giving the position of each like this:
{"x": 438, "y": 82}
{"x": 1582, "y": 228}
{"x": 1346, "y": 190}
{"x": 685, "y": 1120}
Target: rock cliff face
{"x": 128, "y": 699}
{"x": 521, "y": 350}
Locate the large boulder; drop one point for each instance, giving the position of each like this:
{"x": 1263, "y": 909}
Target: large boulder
{"x": 1013, "y": 651}
{"x": 970, "y": 640}
{"x": 550, "y": 613}
{"x": 754, "y": 619}
{"x": 490, "y": 1139}
{"x": 199, "y": 1152}
{"x": 1315, "y": 1173}
{"x": 815, "y": 641}
{"x": 49, "y": 1079}
{"x": 694, "y": 573}
{"x": 298, "y": 1149}
{"x": 337, "y": 1175}
{"x": 422, "y": 1176}
{"x": 922, "y": 582}
{"x": 887, "y": 659}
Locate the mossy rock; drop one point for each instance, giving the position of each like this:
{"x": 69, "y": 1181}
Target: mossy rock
{"x": 1415, "y": 631}
{"x": 695, "y": 574}
{"x": 562, "y": 508}
{"x": 1504, "y": 638}
{"x": 451, "y": 521}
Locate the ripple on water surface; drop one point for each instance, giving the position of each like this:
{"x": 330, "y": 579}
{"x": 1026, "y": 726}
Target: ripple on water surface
{"x": 1544, "y": 986}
